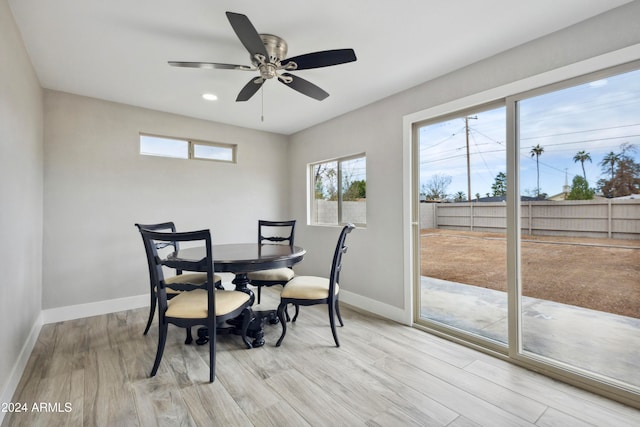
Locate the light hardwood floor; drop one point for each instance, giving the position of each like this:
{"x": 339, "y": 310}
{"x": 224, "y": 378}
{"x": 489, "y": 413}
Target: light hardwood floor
{"x": 384, "y": 374}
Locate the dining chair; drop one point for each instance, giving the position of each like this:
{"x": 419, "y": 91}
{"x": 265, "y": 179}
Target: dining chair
{"x": 313, "y": 290}
{"x": 273, "y": 232}
{"x": 206, "y": 306}
{"x": 175, "y": 284}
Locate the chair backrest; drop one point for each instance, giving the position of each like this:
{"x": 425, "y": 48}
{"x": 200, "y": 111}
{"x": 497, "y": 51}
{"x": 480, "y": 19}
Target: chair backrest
{"x": 280, "y": 232}
{"x": 336, "y": 265}
{"x": 162, "y": 226}
{"x": 154, "y": 239}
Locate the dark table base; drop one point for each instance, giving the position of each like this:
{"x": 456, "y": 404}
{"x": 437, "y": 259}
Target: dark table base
{"x": 255, "y": 330}
{"x": 256, "y": 327}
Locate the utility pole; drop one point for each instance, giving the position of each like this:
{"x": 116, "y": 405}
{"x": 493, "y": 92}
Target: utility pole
{"x": 466, "y": 127}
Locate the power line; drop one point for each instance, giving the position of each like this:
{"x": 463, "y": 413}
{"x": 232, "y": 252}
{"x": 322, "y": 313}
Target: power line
{"x": 442, "y": 140}
{"x": 588, "y": 140}
{"x": 488, "y": 137}
{"x": 578, "y": 131}
{"x": 491, "y": 172}
{"x": 546, "y": 145}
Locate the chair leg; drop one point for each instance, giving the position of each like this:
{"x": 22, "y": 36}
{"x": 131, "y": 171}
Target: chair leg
{"x": 332, "y": 321}
{"x": 297, "y": 312}
{"x": 212, "y": 350}
{"x": 247, "y": 318}
{"x": 189, "y": 339}
{"x": 259, "y": 293}
{"x": 283, "y": 322}
{"x": 162, "y": 339}
{"x": 152, "y": 312}
{"x": 338, "y": 313}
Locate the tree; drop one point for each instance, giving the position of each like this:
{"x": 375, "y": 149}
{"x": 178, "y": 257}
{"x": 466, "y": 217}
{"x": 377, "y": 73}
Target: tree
{"x": 609, "y": 162}
{"x": 624, "y": 172}
{"x": 459, "y": 197}
{"x": 582, "y": 156}
{"x": 580, "y": 189}
{"x": 436, "y": 188}
{"x": 356, "y": 190}
{"x": 326, "y": 182}
{"x": 537, "y": 152}
{"x": 499, "y": 187}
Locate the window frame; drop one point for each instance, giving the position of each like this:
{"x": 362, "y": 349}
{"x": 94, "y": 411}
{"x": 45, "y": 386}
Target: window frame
{"x": 311, "y": 185}
{"x": 191, "y": 145}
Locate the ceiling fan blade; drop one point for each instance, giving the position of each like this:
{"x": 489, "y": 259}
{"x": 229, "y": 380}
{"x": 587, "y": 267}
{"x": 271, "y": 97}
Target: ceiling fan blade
{"x": 324, "y": 58}
{"x": 304, "y": 86}
{"x": 250, "y": 89}
{"x": 210, "y": 65}
{"x": 247, "y": 34}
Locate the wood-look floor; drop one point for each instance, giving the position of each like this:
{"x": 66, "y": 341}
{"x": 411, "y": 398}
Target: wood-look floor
{"x": 384, "y": 374}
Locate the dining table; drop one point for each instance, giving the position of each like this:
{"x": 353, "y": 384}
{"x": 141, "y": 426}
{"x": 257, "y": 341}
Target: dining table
{"x": 240, "y": 259}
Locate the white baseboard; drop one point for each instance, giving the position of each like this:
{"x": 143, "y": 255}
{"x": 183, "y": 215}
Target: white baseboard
{"x": 18, "y": 368}
{"x": 79, "y": 311}
{"x": 97, "y": 308}
{"x": 385, "y": 310}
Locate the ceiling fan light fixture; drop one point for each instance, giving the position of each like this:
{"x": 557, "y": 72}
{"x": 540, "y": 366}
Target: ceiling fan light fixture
{"x": 210, "y": 96}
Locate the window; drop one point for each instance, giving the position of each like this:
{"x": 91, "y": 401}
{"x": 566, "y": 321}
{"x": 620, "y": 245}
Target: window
{"x": 339, "y": 191}
{"x": 178, "y": 148}
{"x": 164, "y": 147}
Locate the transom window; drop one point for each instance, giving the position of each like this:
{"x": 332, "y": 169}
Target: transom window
{"x": 152, "y": 145}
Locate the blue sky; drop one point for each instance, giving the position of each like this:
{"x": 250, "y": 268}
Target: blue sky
{"x": 596, "y": 117}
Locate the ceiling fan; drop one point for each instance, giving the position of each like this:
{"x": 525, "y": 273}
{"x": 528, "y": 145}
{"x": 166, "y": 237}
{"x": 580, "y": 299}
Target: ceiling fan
{"x": 268, "y": 54}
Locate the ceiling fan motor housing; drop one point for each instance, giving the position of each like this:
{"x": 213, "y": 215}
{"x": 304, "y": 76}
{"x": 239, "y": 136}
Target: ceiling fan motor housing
{"x": 276, "y": 48}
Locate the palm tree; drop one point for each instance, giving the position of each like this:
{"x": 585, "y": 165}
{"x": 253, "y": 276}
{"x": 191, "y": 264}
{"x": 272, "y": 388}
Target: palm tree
{"x": 582, "y": 156}
{"x": 610, "y": 160}
{"x": 537, "y": 152}
{"x": 460, "y": 196}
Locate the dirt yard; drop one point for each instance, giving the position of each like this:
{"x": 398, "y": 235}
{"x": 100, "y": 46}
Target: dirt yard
{"x": 601, "y": 274}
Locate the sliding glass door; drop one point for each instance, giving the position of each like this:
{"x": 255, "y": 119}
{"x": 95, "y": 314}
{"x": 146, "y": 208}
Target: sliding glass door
{"x": 463, "y": 223}
{"x": 580, "y": 226}
{"x": 529, "y": 228}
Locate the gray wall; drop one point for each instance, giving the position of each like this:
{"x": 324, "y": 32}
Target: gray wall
{"x": 20, "y": 198}
{"x": 374, "y": 267}
{"x": 97, "y": 186}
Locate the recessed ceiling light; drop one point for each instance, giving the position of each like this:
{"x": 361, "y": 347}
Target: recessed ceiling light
{"x": 209, "y": 96}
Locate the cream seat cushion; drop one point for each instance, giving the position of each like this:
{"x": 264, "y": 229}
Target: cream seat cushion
{"x": 307, "y": 287}
{"x": 274, "y": 275}
{"x": 191, "y": 278}
{"x": 193, "y": 304}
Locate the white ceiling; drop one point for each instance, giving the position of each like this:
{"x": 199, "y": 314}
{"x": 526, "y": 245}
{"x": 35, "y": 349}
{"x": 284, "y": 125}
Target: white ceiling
{"x": 118, "y": 50}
